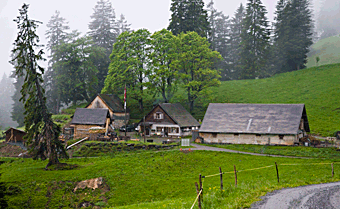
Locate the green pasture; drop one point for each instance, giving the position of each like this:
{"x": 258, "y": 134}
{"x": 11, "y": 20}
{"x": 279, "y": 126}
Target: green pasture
{"x": 163, "y": 179}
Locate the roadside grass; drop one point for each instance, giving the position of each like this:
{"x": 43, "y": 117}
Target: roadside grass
{"x": 297, "y": 151}
{"x": 318, "y": 88}
{"x": 163, "y": 179}
{"x": 61, "y": 119}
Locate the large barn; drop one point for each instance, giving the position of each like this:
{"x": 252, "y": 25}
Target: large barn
{"x": 254, "y": 123}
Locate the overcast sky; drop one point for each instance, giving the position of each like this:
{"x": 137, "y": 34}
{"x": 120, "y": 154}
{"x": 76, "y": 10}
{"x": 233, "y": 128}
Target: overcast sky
{"x": 153, "y": 15}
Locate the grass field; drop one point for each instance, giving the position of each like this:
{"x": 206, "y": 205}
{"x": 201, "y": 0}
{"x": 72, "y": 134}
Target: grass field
{"x": 298, "y": 151}
{"x": 162, "y": 179}
{"x": 318, "y": 88}
{"x": 328, "y": 50}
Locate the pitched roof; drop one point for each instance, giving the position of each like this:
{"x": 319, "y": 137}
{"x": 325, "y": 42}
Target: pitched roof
{"x": 254, "y": 118}
{"x": 179, "y": 114}
{"x": 15, "y": 130}
{"x": 86, "y": 116}
{"x": 112, "y": 101}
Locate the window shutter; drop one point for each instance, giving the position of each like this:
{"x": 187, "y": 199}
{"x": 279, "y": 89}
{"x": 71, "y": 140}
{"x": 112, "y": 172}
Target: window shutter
{"x": 155, "y": 116}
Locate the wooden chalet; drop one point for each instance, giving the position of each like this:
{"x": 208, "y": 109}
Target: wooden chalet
{"x": 114, "y": 105}
{"x": 15, "y": 135}
{"x": 168, "y": 119}
{"x": 254, "y": 123}
{"x": 84, "y": 119}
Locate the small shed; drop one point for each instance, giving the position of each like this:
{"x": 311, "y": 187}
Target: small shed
{"x": 84, "y": 119}
{"x": 15, "y": 135}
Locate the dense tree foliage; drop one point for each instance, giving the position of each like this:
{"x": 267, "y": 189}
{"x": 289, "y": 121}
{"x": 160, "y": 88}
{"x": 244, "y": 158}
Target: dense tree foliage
{"x": 42, "y": 132}
{"x": 56, "y": 34}
{"x": 189, "y": 15}
{"x": 129, "y": 59}
{"x": 195, "y": 64}
{"x": 163, "y": 76}
{"x": 254, "y": 41}
{"x": 292, "y": 35}
{"x": 76, "y": 80}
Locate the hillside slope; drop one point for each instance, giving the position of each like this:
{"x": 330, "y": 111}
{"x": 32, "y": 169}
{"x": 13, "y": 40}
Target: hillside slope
{"x": 318, "y": 88}
{"x": 328, "y": 50}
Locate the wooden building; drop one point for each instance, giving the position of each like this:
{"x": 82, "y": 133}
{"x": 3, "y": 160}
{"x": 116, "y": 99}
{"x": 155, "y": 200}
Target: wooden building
{"x": 84, "y": 119}
{"x": 15, "y": 135}
{"x": 114, "y": 105}
{"x": 168, "y": 119}
{"x": 254, "y": 123}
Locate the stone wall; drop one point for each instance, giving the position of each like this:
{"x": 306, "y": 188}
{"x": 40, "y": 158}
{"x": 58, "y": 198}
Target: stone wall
{"x": 248, "y": 138}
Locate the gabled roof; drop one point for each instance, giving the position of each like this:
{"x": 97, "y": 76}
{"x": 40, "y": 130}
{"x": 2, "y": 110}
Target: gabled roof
{"x": 112, "y": 101}
{"x": 14, "y": 129}
{"x": 179, "y": 114}
{"x": 254, "y": 118}
{"x": 86, "y": 116}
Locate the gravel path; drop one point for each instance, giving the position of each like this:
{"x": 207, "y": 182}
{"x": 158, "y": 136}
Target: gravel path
{"x": 217, "y": 149}
{"x": 317, "y": 196}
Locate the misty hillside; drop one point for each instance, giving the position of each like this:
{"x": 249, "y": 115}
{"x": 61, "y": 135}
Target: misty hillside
{"x": 327, "y": 49}
{"x": 317, "y": 87}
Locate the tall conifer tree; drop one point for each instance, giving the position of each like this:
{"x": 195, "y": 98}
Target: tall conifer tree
{"x": 255, "y": 40}
{"x": 42, "y": 132}
{"x": 189, "y": 15}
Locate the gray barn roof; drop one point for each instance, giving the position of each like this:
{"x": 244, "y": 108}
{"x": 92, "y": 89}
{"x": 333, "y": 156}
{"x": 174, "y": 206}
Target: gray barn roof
{"x": 254, "y": 118}
{"x": 179, "y": 114}
{"x": 86, "y": 116}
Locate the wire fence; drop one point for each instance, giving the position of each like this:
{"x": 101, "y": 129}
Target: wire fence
{"x": 199, "y": 188}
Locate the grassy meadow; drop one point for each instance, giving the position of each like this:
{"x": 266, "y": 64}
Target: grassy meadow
{"x": 328, "y": 50}
{"x": 317, "y": 87}
{"x": 163, "y": 179}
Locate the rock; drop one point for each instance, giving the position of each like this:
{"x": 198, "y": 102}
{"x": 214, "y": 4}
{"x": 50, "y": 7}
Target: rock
{"x": 90, "y": 183}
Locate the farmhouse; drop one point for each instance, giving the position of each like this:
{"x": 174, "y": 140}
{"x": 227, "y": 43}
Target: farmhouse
{"x": 84, "y": 119}
{"x": 15, "y": 135}
{"x": 168, "y": 119}
{"x": 254, "y": 123}
{"x": 114, "y": 105}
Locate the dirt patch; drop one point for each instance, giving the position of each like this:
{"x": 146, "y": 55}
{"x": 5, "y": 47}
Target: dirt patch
{"x": 8, "y": 150}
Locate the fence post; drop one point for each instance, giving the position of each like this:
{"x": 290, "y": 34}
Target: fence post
{"x": 201, "y": 188}
{"x": 221, "y": 179}
{"x": 332, "y": 170}
{"x": 277, "y": 173}
{"x": 199, "y": 198}
{"x": 235, "y": 176}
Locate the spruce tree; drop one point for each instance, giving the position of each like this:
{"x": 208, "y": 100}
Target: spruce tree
{"x": 56, "y": 34}
{"x": 255, "y": 41}
{"x": 42, "y": 132}
{"x": 219, "y": 39}
{"x": 235, "y": 42}
{"x": 6, "y": 93}
{"x": 189, "y": 15}
{"x": 18, "y": 109}
{"x": 292, "y": 34}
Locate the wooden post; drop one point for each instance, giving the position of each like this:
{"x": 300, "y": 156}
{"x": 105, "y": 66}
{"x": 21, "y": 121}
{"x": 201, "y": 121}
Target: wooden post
{"x": 277, "y": 173}
{"x": 201, "y": 188}
{"x": 199, "y": 197}
{"x": 235, "y": 176}
{"x": 221, "y": 179}
{"x": 332, "y": 170}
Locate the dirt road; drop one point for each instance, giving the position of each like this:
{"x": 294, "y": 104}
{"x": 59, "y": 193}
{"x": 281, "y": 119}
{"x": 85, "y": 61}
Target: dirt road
{"x": 318, "y": 196}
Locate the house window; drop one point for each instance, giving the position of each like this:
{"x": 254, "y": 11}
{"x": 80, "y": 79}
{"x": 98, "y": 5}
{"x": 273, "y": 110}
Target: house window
{"x": 174, "y": 130}
{"x": 214, "y": 135}
{"x": 281, "y": 136}
{"x": 158, "y": 115}
{"x": 159, "y": 129}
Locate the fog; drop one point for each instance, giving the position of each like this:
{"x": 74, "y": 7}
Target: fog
{"x": 150, "y": 14}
